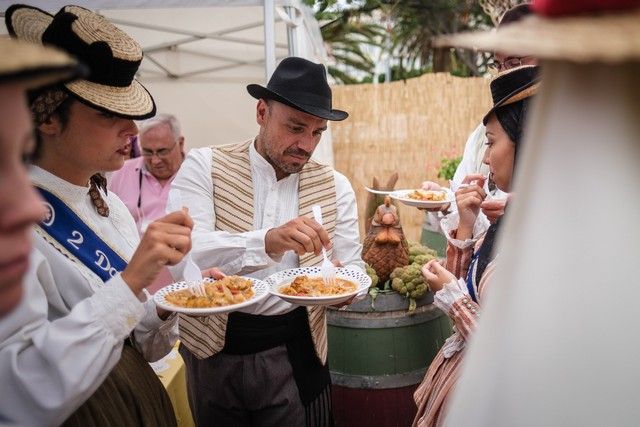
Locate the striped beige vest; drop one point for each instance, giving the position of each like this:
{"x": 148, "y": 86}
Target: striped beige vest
{"x": 233, "y": 207}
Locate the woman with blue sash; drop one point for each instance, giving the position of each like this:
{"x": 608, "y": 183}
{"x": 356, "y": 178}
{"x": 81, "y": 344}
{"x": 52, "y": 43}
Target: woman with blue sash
{"x": 471, "y": 258}
{"x": 85, "y": 331}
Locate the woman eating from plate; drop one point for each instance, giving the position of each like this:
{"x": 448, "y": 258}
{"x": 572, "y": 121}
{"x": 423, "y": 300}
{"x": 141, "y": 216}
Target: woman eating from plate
{"x": 100, "y": 330}
{"x": 460, "y": 286}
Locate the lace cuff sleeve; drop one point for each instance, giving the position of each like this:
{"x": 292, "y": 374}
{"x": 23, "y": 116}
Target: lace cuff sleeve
{"x": 449, "y": 294}
{"x": 449, "y": 225}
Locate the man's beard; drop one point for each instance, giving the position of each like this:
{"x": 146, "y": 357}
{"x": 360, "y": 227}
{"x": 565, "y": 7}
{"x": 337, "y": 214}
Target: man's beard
{"x": 289, "y": 168}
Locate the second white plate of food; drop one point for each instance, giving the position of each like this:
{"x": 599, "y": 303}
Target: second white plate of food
{"x": 223, "y": 296}
{"x": 424, "y": 198}
{"x": 304, "y": 286}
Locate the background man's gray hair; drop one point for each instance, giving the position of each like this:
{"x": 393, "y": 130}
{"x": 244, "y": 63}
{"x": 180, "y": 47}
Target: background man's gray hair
{"x": 158, "y": 120}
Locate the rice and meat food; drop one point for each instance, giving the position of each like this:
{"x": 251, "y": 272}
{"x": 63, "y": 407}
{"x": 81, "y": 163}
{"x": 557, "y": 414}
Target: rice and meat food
{"x": 226, "y": 291}
{"x": 427, "y": 195}
{"x": 304, "y": 286}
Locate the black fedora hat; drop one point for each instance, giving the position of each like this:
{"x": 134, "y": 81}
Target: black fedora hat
{"x": 112, "y": 56}
{"x": 300, "y": 84}
{"x": 512, "y": 86}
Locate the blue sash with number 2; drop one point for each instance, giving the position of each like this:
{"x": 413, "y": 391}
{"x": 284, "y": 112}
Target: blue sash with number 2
{"x": 66, "y": 228}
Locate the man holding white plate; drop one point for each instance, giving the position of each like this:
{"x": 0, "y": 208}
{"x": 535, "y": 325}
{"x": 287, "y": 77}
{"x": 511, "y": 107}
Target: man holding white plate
{"x": 251, "y": 204}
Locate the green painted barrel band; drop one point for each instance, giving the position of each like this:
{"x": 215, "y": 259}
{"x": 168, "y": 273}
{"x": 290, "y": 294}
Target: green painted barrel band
{"x": 378, "y": 381}
{"x": 373, "y": 352}
{"x": 382, "y": 319}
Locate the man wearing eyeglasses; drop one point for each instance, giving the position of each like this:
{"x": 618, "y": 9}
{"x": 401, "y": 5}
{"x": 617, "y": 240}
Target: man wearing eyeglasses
{"x": 472, "y": 165}
{"x": 143, "y": 183}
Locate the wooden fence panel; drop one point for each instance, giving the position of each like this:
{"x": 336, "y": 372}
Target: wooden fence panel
{"x": 405, "y": 126}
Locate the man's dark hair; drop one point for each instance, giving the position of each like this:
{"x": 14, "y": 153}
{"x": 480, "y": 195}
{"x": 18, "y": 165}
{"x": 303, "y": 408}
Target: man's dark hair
{"x": 515, "y": 14}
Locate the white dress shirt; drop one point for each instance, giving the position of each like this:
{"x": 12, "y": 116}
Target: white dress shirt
{"x": 275, "y": 203}
{"x": 473, "y": 155}
{"x": 74, "y": 282}
{"x": 67, "y": 334}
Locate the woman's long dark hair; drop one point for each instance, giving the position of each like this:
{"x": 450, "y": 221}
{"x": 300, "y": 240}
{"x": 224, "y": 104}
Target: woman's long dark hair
{"x": 512, "y": 118}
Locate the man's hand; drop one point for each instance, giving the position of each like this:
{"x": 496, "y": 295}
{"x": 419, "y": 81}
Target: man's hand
{"x": 434, "y": 186}
{"x": 213, "y": 273}
{"x": 345, "y": 303}
{"x": 165, "y": 242}
{"x": 301, "y": 235}
{"x": 436, "y": 275}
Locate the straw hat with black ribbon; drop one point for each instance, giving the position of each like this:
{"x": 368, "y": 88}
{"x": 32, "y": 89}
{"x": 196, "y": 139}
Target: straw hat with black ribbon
{"x": 35, "y": 66}
{"x": 111, "y": 55}
{"x": 571, "y": 30}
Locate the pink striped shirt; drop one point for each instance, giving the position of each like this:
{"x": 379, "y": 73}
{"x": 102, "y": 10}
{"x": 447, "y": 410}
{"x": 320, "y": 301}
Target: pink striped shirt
{"x": 144, "y": 196}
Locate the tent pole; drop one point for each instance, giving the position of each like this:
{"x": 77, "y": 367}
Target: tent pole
{"x": 269, "y": 38}
{"x": 292, "y": 33}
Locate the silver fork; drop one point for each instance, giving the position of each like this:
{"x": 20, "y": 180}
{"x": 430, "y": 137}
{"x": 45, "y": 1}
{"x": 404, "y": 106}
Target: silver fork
{"x": 328, "y": 270}
{"x": 192, "y": 274}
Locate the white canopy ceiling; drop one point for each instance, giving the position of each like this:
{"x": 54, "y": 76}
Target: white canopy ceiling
{"x": 200, "y": 55}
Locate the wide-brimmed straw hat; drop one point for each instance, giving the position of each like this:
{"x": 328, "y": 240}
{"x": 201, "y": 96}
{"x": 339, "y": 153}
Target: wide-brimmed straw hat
{"x": 513, "y": 85}
{"x": 35, "y": 66}
{"x": 111, "y": 55}
{"x": 570, "y": 30}
{"x": 300, "y": 84}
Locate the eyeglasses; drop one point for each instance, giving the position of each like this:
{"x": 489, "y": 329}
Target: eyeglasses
{"x": 507, "y": 63}
{"x": 161, "y": 153}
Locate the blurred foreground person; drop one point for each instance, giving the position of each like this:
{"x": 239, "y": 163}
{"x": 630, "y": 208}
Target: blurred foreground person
{"x": 555, "y": 345}
{"x": 23, "y": 66}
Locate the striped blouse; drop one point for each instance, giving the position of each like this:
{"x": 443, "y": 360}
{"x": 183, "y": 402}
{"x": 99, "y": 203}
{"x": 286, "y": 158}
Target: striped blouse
{"x": 432, "y": 395}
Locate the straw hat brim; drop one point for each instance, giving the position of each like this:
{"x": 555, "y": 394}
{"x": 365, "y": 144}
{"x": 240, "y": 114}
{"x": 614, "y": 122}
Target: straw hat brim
{"x": 34, "y": 66}
{"x": 612, "y": 37}
{"x": 521, "y": 94}
{"x": 29, "y": 23}
{"x": 131, "y": 102}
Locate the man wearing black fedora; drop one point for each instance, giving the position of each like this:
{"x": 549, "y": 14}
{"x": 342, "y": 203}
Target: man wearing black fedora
{"x": 251, "y": 203}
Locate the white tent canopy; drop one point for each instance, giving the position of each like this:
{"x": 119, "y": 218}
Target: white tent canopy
{"x": 201, "y": 54}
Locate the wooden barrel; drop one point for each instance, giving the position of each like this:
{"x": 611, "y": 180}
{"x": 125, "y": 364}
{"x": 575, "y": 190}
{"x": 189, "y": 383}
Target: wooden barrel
{"x": 378, "y": 357}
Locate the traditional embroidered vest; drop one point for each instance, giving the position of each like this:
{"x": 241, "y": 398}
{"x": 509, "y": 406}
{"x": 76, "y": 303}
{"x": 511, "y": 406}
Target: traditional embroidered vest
{"x": 233, "y": 207}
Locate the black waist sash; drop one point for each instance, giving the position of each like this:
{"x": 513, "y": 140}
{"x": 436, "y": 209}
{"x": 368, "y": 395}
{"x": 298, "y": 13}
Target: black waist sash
{"x": 248, "y": 334}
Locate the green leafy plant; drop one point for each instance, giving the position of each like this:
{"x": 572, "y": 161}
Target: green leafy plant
{"x": 448, "y": 167}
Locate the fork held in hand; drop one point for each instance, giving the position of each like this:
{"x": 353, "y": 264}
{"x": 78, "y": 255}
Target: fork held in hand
{"x": 328, "y": 270}
{"x": 192, "y": 274}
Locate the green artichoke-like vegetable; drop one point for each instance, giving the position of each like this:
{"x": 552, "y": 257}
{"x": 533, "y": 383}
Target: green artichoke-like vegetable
{"x": 372, "y": 274}
{"x": 408, "y": 280}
